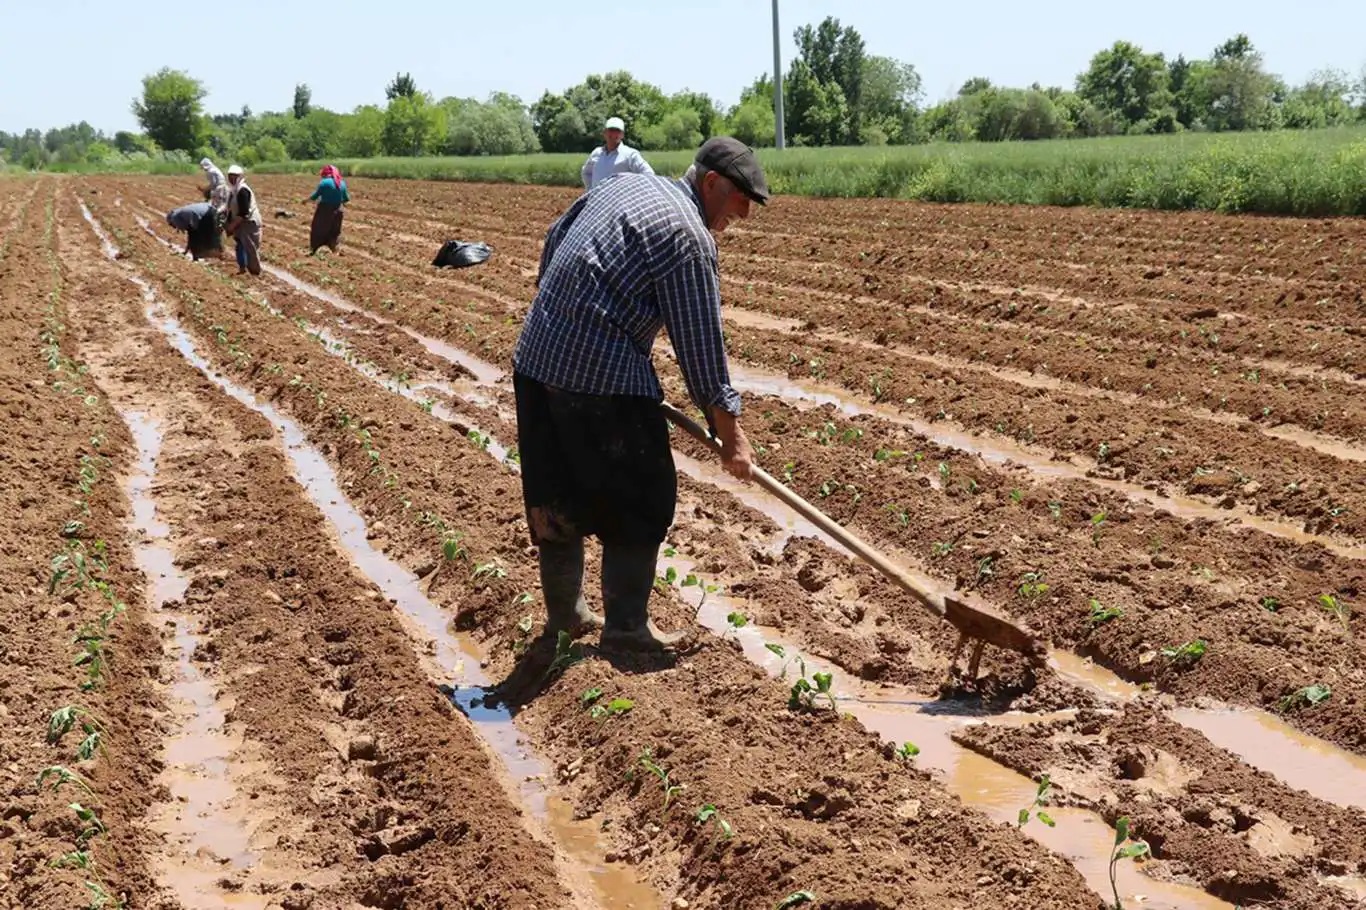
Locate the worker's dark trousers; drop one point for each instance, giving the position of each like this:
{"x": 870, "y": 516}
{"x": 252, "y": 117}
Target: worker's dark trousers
{"x": 595, "y": 465}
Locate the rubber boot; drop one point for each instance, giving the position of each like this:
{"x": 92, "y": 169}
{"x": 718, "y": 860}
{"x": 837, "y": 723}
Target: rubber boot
{"x": 628, "y": 576}
{"x": 562, "y": 587}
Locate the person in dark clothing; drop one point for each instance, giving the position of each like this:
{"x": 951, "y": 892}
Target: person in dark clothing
{"x": 199, "y": 221}
{"x": 631, "y": 257}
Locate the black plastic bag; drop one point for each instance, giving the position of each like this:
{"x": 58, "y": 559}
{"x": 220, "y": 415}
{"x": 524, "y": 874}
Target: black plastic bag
{"x": 457, "y": 254}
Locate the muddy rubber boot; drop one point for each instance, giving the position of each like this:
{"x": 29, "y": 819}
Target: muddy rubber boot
{"x": 628, "y": 575}
{"x": 562, "y": 587}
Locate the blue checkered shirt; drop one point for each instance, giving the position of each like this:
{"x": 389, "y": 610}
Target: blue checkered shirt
{"x": 630, "y": 257}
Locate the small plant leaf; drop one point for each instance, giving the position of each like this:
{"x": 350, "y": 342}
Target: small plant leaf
{"x": 776, "y": 649}
{"x": 1045, "y": 818}
{"x": 590, "y": 695}
{"x": 796, "y": 899}
{"x": 1129, "y": 851}
{"x": 1121, "y": 830}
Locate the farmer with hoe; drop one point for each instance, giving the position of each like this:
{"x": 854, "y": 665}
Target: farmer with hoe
{"x": 330, "y": 195}
{"x": 625, "y": 260}
{"x": 244, "y": 222}
{"x": 613, "y": 157}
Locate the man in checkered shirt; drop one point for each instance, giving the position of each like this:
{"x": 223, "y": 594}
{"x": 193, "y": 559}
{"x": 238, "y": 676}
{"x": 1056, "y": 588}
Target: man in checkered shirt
{"x": 633, "y": 256}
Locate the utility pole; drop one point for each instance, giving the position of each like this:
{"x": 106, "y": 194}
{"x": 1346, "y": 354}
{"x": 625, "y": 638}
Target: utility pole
{"x": 777, "y": 82}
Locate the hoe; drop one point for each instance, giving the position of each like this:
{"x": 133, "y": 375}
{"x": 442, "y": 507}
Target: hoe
{"x": 977, "y": 623}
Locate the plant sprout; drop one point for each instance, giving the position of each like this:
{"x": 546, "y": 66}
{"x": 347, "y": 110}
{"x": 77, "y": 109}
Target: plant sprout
{"x": 1124, "y": 849}
{"x": 1035, "y": 809}
{"x": 1101, "y": 614}
{"x": 907, "y": 751}
{"x": 796, "y": 899}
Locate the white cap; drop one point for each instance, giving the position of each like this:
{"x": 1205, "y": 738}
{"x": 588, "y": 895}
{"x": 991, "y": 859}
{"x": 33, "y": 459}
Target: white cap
{"x": 236, "y": 169}
{"x": 615, "y": 123}
{"x": 205, "y": 163}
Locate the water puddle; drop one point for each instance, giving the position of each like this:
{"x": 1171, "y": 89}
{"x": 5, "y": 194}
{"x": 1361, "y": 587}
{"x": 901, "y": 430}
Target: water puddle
{"x": 901, "y": 715}
{"x": 213, "y": 843}
{"x": 450, "y": 656}
{"x": 1349, "y": 884}
{"x": 1270, "y": 744}
{"x": 1003, "y": 452}
{"x": 1259, "y": 738}
{"x": 582, "y": 841}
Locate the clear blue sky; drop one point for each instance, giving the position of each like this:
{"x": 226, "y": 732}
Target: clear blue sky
{"x": 71, "y": 60}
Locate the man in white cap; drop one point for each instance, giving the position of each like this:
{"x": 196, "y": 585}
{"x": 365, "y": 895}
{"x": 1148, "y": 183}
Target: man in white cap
{"x": 613, "y": 157}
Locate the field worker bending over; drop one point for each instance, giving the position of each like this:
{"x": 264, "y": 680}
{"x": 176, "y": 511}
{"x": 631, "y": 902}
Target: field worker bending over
{"x": 244, "y": 222}
{"x": 613, "y": 157}
{"x": 217, "y": 190}
{"x": 199, "y": 221}
{"x": 625, "y": 260}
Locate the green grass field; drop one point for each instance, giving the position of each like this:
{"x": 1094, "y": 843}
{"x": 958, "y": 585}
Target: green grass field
{"x": 1321, "y": 172}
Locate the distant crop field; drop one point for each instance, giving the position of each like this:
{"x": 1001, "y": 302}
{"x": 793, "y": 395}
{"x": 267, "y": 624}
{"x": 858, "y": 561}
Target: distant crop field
{"x": 1319, "y": 172}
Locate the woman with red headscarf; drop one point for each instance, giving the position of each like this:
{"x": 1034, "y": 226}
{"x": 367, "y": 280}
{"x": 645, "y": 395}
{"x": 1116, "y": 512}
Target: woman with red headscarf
{"x": 330, "y": 195}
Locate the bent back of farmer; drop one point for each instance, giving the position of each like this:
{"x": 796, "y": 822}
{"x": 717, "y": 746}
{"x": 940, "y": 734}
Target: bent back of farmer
{"x": 200, "y": 223}
{"x": 630, "y": 257}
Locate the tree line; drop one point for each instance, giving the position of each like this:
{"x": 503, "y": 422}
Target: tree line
{"x": 835, "y": 93}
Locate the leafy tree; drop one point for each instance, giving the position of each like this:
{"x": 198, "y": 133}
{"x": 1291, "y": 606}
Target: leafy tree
{"x": 974, "y": 86}
{"x": 361, "y": 133}
{"x": 567, "y": 130}
{"x": 1125, "y": 80}
{"x": 303, "y": 101}
{"x": 271, "y": 149}
{"x": 753, "y": 121}
{"x": 818, "y": 112}
{"x": 403, "y": 86}
{"x": 1236, "y": 93}
{"x": 680, "y": 128}
{"x": 170, "y": 109}
{"x": 834, "y": 56}
{"x": 543, "y": 115}
{"x": 316, "y": 135}
{"x": 890, "y": 93}
{"x": 413, "y": 125}
{"x": 708, "y": 114}
{"x": 131, "y": 143}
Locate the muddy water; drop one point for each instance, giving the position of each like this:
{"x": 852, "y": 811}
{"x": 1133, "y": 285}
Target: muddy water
{"x": 902, "y": 715}
{"x": 212, "y": 839}
{"x": 999, "y": 451}
{"x": 1259, "y": 738}
{"x": 450, "y": 657}
{"x": 1270, "y": 744}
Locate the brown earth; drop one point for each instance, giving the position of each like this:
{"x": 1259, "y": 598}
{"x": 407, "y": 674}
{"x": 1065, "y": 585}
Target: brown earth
{"x": 1065, "y": 312}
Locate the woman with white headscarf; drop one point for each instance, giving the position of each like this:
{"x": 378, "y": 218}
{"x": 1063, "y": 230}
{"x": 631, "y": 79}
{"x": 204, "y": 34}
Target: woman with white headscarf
{"x": 217, "y": 191}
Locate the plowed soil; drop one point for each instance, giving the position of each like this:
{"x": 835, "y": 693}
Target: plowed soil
{"x": 1136, "y": 434}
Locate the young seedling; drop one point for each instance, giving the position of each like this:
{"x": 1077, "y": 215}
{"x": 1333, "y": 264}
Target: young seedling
{"x": 708, "y": 813}
{"x": 907, "y": 751}
{"x": 665, "y": 581}
{"x": 796, "y": 899}
{"x": 804, "y": 692}
{"x": 1016, "y": 496}
{"x": 1032, "y": 586}
{"x": 885, "y": 455}
{"x": 735, "y": 621}
{"x": 942, "y": 548}
{"x": 902, "y": 517}
{"x": 1270, "y": 604}
{"x": 1124, "y": 849}
{"x": 1340, "y": 610}
{"x": 613, "y": 708}
{"x": 1097, "y": 520}
{"x": 522, "y": 641}
{"x": 567, "y": 653}
{"x": 1101, "y": 614}
{"x": 1189, "y": 653}
{"x": 692, "y": 581}
{"x": 489, "y": 570}
{"x": 61, "y": 776}
{"x": 1055, "y": 509}
{"x": 451, "y": 547}
{"x": 1307, "y": 697}
{"x": 1035, "y": 809}
{"x": 670, "y": 788}
{"x": 589, "y": 696}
